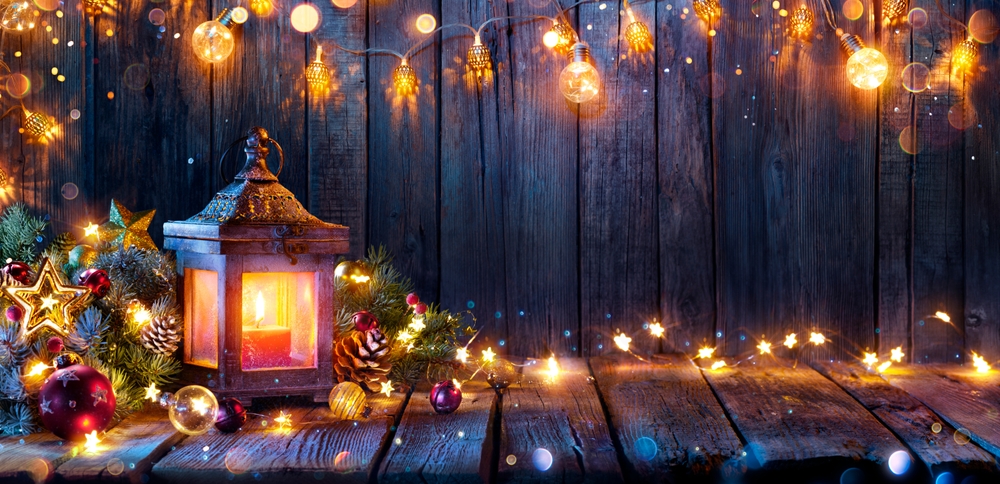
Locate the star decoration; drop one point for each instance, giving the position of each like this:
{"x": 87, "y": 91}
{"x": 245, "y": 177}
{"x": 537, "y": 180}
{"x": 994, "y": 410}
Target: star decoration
{"x": 897, "y": 354}
{"x": 462, "y": 354}
{"x": 764, "y": 347}
{"x": 48, "y": 302}
{"x": 100, "y": 395}
{"x": 126, "y": 229}
{"x": 705, "y": 352}
{"x": 199, "y": 405}
{"x": 283, "y": 420}
{"x": 870, "y": 359}
{"x": 46, "y": 406}
{"x": 489, "y": 355}
{"x": 91, "y": 229}
{"x": 152, "y": 393}
{"x": 67, "y": 376}
{"x": 790, "y": 341}
{"x": 656, "y": 329}
{"x": 386, "y": 388}
{"x": 417, "y": 324}
{"x": 817, "y": 338}
{"x": 92, "y": 441}
{"x": 622, "y": 340}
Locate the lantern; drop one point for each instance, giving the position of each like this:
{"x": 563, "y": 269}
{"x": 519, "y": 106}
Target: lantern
{"x": 258, "y": 287}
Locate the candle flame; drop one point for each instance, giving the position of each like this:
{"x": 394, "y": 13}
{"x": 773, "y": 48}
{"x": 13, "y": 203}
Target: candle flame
{"x": 764, "y": 347}
{"x": 91, "y": 445}
{"x": 705, "y": 352}
{"x": 656, "y": 329}
{"x": 259, "y": 309}
{"x": 884, "y": 366}
{"x": 980, "y": 363}
{"x": 622, "y": 340}
{"x": 943, "y": 316}
{"x": 897, "y": 354}
{"x": 38, "y": 369}
{"x": 718, "y": 364}
{"x": 790, "y": 341}
{"x": 817, "y": 338}
{"x": 870, "y": 359}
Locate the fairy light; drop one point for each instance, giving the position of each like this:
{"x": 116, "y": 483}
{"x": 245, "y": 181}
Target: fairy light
{"x": 417, "y": 323}
{"x": 707, "y": 10}
{"x": 637, "y": 34}
{"x": 141, "y": 316}
{"x": 980, "y": 363}
{"x": 283, "y": 420}
{"x": 91, "y": 229}
{"x": 790, "y": 341}
{"x": 817, "y": 338}
{"x": 764, "y": 347}
{"x": 897, "y": 354}
{"x": 38, "y": 369}
{"x": 718, "y": 364}
{"x": 656, "y": 330}
{"x": 623, "y": 341}
{"x": 553, "y": 370}
{"x": 478, "y": 56}
{"x": 404, "y": 78}
{"x": 462, "y": 354}
{"x": 404, "y": 336}
{"x": 91, "y": 446}
{"x": 317, "y": 73}
{"x": 152, "y": 393}
{"x": 884, "y": 366}
{"x": 943, "y": 316}
{"x": 488, "y": 355}
{"x": 705, "y": 352}
{"x": 386, "y": 388}
{"x": 870, "y": 359}
{"x": 457, "y": 383}
{"x": 200, "y": 405}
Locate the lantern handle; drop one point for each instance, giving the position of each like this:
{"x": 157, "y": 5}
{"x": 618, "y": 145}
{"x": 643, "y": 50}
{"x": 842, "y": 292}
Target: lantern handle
{"x": 222, "y": 159}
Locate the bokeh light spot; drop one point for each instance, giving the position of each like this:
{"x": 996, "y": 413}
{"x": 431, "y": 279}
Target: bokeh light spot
{"x": 238, "y": 460}
{"x": 426, "y": 23}
{"x": 70, "y": 191}
{"x": 915, "y": 77}
{"x": 542, "y": 459}
{"x": 645, "y": 448}
{"x": 963, "y": 436}
{"x": 157, "y": 16}
{"x": 852, "y": 476}
{"x": 908, "y": 140}
{"x": 136, "y": 76}
{"x": 961, "y": 115}
{"x": 899, "y": 462}
{"x": 305, "y": 18}
{"x": 115, "y": 466}
{"x": 983, "y": 26}
{"x": 917, "y": 18}
{"x": 853, "y": 9}
{"x": 945, "y": 478}
{"x": 18, "y": 85}
{"x": 344, "y": 3}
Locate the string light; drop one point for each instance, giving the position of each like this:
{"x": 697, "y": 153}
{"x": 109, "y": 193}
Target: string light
{"x": 560, "y": 37}
{"x": 705, "y": 352}
{"x": 707, "y": 10}
{"x": 386, "y": 388}
{"x": 36, "y": 124}
{"x": 152, "y": 393}
{"x": 283, "y": 420}
{"x": 800, "y": 23}
{"x": 980, "y": 363}
{"x": 553, "y": 370}
{"x": 91, "y": 230}
{"x": 867, "y": 68}
{"x": 623, "y": 341}
{"x": 262, "y": 8}
{"x": 764, "y": 347}
{"x": 462, "y": 354}
{"x": 488, "y": 355}
{"x": 478, "y": 56}
{"x": 212, "y": 41}
{"x": 943, "y": 316}
{"x": 870, "y": 359}
{"x": 897, "y": 354}
{"x": 38, "y": 369}
{"x": 579, "y": 81}
{"x": 817, "y": 338}
{"x": 91, "y": 446}
{"x": 404, "y": 79}
{"x": 718, "y": 364}
{"x": 317, "y": 74}
{"x": 892, "y": 9}
{"x": 656, "y": 330}
{"x": 884, "y": 366}
{"x": 637, "y": 34}
{"x": 790, "y": 341}
{"x": 964, "y": 58}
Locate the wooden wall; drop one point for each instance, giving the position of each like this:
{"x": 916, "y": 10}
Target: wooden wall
{"x": 733, "y": 186}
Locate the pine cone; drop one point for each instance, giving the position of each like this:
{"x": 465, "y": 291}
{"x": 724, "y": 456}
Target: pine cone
{"x": 363, "y": 358}
{"x": 62, "y": 243}
{"x": 161, "y": 335}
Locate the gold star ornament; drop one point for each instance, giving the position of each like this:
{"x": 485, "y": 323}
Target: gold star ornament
{"x": 48, "y": 303}
{"x": 125, "y": 229}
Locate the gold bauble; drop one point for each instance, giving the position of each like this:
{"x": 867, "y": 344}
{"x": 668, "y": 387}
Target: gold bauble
{"x": 800, "y": 23}
{"x": 318, "y": 75}
{"x": 82, "y": 256}
{"x": 707, "y": 9}
{"x": 638, "y": 37}
{"x": 479, "y": 57}
{"x": 347, "y": 401}
{"x": 965, "y": 55}
{"x": 892, "y": 9}
{"x": 36, "y": 124}
{"x": 405, "y": 79}
{"x": 351, "y": 272}
{"x": 501, "y": 373}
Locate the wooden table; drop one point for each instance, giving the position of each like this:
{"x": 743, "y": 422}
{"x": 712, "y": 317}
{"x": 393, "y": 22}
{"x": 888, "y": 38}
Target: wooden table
{"x": 610, "y": 419}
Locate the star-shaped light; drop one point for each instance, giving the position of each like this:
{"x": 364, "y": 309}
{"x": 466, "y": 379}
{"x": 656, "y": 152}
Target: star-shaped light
{"x": 417, "y": 324}
{"x": 462, "y": 354}
{"x": 817, "y": 338}
{"x": 199, "y": 405}
{"x": 656, "y": 330}
{"x": 152, "y": 393}
{"x": 404, "y": 336}
{"x": 489, "y": 355}
{"x": 386, "y": 388}
{"x": 48, "y": 303}
{"x": 67, "y": 376}
{"x": 897, "y": 354}
{"x": 100, "y": 395}
{"x": 283, "y": 420}
{"x": 790, "y": 341}
{"x": 764, "y": 347}
{"x": 38, "y": 369}
{"x": 91, "y": 229}
{"x": 705, "y": 352}
{"x": 46, "y": 406}
{"x": 980, "y": 363}
{"x": 884, "y": 366}
{"x": 623, "y": 341}
{"x": 870, "y": 359}
{"x": 92, "y": 441}
{"x": 943, "y": 316}
{"x": 126, "y": 229}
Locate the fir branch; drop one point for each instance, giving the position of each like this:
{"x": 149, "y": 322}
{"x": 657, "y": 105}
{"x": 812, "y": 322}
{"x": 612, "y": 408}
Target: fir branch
{"x": 20, "y": 234}
{"x": 88, "y": 335}
{"x": 16, "y": 418}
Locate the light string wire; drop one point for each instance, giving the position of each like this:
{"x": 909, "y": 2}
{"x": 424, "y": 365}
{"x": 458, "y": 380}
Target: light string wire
{"x": 829, "y": 15}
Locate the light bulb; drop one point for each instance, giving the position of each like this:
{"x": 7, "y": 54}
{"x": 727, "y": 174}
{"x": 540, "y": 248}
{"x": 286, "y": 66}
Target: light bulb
{"x": 707, "y": 10}
{"x": 18, "y": 17}
{"x": 36, "y": 124}
{"x": 192, "y": 410}
{"x": 212, "y": 40}
{"x": 867, "y": 68}
{"x": 317, "y": 74}
{"x": 637, "y": 35}
{"x": 800, "y": 23}
{"x": 404, "y": 79}
{"x": 964, "y": 56}
{"x": 579, "y": 81}
{"x": 478, "y": 56}
{"x": 892, "y": 9}
{"x": 560, "y": 37}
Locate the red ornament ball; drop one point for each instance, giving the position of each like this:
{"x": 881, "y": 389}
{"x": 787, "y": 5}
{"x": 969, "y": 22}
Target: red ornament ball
{"x": 231, "y": 415}
{"x": 445, "y": 397}
{"x": 54, "y": 344}
{"x": 97, "y": 281}
{"x": 412, "y": 299}
{"x": 15, "y": 313}
{"x": 420, "y": 308}
{"x": 18, "y": 271}
{"x": 364, "y": 321}
{"x": 76, "y": 400}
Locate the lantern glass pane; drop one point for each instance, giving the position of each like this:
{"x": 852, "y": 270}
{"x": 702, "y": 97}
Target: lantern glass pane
{"x": 201, "y": 317}
{"x": 279, "y": 320}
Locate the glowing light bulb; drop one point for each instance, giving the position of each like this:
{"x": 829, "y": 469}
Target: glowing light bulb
{"x": 36, "y": 124}
{"x": 18, "y": 17}
{"x": 262, "y": 8}
{"x": 870, "y": 359}
{"x": 637, "y": 35}
{"x": 579, "y": 81}
{"x": 867, "y": 68}
{"x": 560, "y": 37}
{"x": 800, "y": 23}
{"x": 478, "y": 56}
{"x": 213, "y": 41}
{"x": 426, "y": 23}
{"x": 405, "y": 79}
{"x": 317, "y": 74}
{"x": 964, "y": 56}
{"x": 707, "y": 9}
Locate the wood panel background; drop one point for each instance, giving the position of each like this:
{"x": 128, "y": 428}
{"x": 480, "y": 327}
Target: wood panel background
{"x": 733, "y": 187}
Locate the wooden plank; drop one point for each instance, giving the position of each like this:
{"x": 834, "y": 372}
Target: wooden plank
{"x": 32, "y": 458}
{"x": 152, "y": 139}
{"x": 938, "y": 245}
{"x": 316, "y": 447}
{"x": 432, "y": 448}
{"x": 797, "y": 422}
{"x": 910, "y": 420}
{"x": 895, "y": 200}
{"x": 982, "y": 196}
{"x": 686, "y": 181}
{"x": 963, "y": 398}
{"x": 338, "y": 125}
{"x": 795, "y": 185}
{"x": 619, "y": 271}
{"x": 127, "y": 452}
{"x": 667, "y": 423}
{"x": 562, "y": 416}
{"x": 403, "y": 144}
{"x": 261, "y": 84}
{"x": 475, "y": 118}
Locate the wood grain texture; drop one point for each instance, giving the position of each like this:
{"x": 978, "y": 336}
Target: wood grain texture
{"x": 403, "y": 145}
{"x": 910, "y": 420}
{"x": 138, "y": 442}
{"x": 475, "y": 118}
{"x": 686, "y": 181}
{"x": 963, "y": 398}
{"x": 619, "y": 265}
{"x": 337, "y": 125}
{"x": 153, "y": 138}
{"x": 795, "y": 185}
{"x": 562, "y": 415}
{"x": 669, "y": 403}
{"x": 316, "y": 448}
{"x": 938, "y": 245}
{"x": 32, "y": 458}
{"x": 430, "y": 448}
{"x": 794, "y": 420}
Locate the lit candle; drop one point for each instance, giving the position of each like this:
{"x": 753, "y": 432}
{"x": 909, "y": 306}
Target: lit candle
{"x": 265, "y": 345}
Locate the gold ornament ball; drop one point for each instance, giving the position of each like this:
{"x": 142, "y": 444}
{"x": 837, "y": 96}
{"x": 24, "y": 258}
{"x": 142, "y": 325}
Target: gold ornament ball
{"x": 707, "y": 9}
{"x": 892, "y": 9}
{"x": 318, "y": 75}
{"x": 36, "y": 124}
{"x": 800, "y": 23}
{"x": 405, "y": 80}
{"x": 351, "y": 272}
{"x": 501, "y": 373}
{"x": 638, "y": 37}
{"x": 965, "y": 55}
{"x": 479, "y": 57}
{"x": 82, "y": 256}
{"x": 347, "y": 401}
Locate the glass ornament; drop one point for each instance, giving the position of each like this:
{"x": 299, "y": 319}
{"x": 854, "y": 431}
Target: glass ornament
{"x": 192, "y": 410}
{"x": 500, "y": 374}
{"x": 347, "y": 401}
{"x": 579, "y": 81}
{"x": 560, "y": 37}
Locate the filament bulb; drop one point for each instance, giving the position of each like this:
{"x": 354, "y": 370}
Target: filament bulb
{"x": 867, "y": 68}
{"x": 212, "y": 40}
{"x": 579, "y": 81}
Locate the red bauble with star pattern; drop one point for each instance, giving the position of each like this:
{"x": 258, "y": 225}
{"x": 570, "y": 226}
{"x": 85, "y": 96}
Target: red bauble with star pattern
{"x": 75, "y": 400}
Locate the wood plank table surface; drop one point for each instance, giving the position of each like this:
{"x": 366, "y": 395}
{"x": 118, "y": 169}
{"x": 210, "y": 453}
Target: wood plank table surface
{"x": 617, "y": 418}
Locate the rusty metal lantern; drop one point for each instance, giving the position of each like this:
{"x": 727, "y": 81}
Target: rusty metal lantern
{"x": 258, "y": 286}
{"x": 478, "y": 56}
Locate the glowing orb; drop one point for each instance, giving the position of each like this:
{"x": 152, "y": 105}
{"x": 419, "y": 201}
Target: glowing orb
{"x": 916, "y": 77}
{"x": 240, "y": 15}
{"x": 899, "y": 462}
{"x": 344, "y": 3}
{"x": 645, "y": 448}
{"x": 983, "y": 26}
{"x": 853, "y": 9}
{"x": 550, "y": 39}
{"x": 542, "y": 459}
{"x": 305, "y": 18}
{"x": 426, "y": 23}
